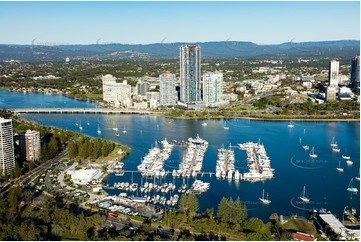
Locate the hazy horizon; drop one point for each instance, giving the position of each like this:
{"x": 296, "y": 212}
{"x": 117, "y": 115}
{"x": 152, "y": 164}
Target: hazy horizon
{"x": 72, "y": 23}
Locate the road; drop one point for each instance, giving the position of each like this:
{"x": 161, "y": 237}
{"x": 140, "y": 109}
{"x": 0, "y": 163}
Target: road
{"x": 31, "y": 175}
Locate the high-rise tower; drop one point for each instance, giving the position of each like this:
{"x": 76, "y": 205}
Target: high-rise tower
{"x": 7, "y": 158}
{"x": 167, "y": 85}
{"x": 212, "y": 88}
{"x": 355, "y": 74}
{"x": 190, "y": 73}
{"x": 333, "y": 73}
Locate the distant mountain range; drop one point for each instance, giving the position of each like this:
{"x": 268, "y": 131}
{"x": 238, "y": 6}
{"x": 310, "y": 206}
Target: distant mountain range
{"x": 219, "y": 49}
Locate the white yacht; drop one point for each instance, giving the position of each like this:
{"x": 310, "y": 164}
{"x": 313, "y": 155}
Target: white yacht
{"x": 350, "y": 187}
{"x": 339, "y": 168}
{"x": 291, "y": 125}
{"x": 312, "y": 153}
{"x": 263, "y": 199}
{"x": 303, "y": 195}
{"x": 305, "y": 147}
{"x": 333, "y": 143}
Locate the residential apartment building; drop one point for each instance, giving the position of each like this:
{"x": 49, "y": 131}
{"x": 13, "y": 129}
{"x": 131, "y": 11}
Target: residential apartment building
{"x": 7, "y": 157}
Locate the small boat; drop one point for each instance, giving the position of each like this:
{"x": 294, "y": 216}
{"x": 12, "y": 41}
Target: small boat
{"x": 337, "y": 150}
{"x": 339, "y": 168}
{"x": 333, "y": 143}
{"x": 99, "y": 131}
{"x": 350, "y": 187}
{"x": 346, "y": 157}
{"x": 124, "y": 131}
{"x": 263, "y": 199}
{"x": 80, "y": 127}
{"x": 291, "y": 125}
{"x": 305, "y": 147}
{"x": 303, "y": 195}
{"x": 312, "y": 153}
{"x": 225, "y": 127}
{"x": 116, "y": 133}
{"x": 349, "y": 162}
{"x": 204, "y": 124}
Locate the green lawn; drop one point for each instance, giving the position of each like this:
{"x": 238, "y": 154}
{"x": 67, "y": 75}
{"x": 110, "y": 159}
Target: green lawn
{"x": 300, "y": 225}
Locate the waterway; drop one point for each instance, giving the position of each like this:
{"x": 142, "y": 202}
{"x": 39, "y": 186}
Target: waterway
{"x": 325, "y": 186}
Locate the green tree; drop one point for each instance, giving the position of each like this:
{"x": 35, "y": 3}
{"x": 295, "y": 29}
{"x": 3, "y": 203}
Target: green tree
{"x": 193, "y": 205}
{"x": 223, "y": 210}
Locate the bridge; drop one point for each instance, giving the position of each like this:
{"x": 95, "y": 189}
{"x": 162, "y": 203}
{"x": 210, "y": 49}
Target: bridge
{"x": 80, "y": 111}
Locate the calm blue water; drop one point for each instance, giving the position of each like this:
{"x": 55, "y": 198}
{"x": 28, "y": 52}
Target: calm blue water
{"x": 326, "y": 187}
{"x": 38, "y": 100}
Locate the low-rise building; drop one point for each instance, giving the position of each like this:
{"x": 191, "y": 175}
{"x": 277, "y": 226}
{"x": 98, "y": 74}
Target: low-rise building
{"x": 85, "y": 176}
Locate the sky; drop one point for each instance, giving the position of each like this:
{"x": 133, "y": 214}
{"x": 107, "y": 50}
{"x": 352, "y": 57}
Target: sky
{"x": 55, "y": 23}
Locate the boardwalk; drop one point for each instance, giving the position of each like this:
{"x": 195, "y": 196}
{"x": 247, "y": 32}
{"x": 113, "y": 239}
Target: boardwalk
{"x": 80, "y": 111}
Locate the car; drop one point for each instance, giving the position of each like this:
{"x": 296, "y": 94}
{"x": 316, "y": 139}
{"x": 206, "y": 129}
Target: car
{"x": 112, "y": 215}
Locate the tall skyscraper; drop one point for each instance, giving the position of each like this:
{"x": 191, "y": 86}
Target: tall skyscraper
{"x": 212, "y": 88}
{"x": 168, "y": 94}
{"x": 355, "y": 74}
{"x": 7, "y": 158}
{"x": 30, "y": 145}
{"x": 190, "y": 73}
{"x": 333, "y": 74}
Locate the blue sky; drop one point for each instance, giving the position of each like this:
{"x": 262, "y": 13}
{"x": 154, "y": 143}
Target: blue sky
{"x": 151, "y": 22}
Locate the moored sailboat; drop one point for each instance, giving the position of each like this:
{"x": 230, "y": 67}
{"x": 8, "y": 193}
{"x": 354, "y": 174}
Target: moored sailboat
{"x": 263, "y": 199}
{"x": 312, "y": 153}
{"x": 339, "y": 168}
{"x": 350, "y": 187}
{"x": 304, "y": 196}
{"x": 291, "y": 125}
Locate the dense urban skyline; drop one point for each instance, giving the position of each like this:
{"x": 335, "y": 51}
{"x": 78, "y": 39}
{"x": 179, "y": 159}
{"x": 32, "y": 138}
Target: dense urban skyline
{"x": 54, "y": 23}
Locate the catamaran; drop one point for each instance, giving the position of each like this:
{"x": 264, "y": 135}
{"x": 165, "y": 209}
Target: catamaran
{"x": 339, "y": 168}
{"x": 263, "y": 199}
{"x": 350, "y": 187}
{"x": 312, "y": 153}
{"x": 303, "y": 195}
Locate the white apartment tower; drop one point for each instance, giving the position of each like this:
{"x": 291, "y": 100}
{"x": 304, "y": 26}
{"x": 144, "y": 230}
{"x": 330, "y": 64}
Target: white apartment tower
{"x": 212, "y": 88}
{"x": 333, "y": 73}
{"x": 116, "y": 92}
{"x": 7, "y": 158}
{"x": 167, "y": 85}
{"x": 30, "y": 145}
{"x": 190, "y": 73}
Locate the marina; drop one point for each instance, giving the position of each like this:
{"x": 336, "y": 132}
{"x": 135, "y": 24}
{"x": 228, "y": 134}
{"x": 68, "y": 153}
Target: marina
{"x": 152, "y": 164}
{"x": 142, "y": 131}
{"x": 225, "y": 164}
{"x": 259, "y": 164}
